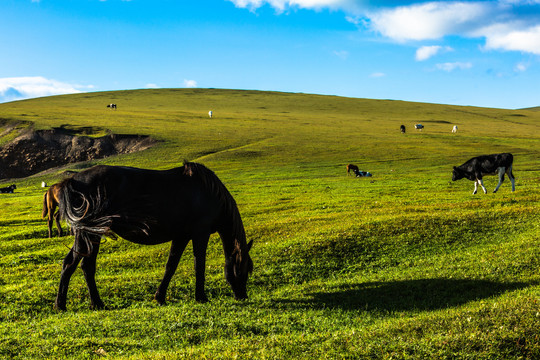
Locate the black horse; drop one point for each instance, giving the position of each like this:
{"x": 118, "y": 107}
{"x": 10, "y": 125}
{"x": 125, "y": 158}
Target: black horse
{"x": 152, "y": 207}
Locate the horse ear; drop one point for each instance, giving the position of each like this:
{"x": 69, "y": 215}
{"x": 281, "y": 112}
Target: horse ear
{"x": 249, "y": 245}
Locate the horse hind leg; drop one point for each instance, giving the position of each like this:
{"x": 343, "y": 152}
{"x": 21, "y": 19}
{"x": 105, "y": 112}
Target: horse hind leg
{"x": 50, "y": 225}
{"x": 58, "y": 226}
{"x": 69, "y": 266}
{"x": 177, "y": 248}
{"x": 88, "y": 266}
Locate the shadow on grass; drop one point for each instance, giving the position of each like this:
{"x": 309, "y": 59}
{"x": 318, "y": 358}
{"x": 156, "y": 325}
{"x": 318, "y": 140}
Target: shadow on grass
{"x": 407, "y": 295}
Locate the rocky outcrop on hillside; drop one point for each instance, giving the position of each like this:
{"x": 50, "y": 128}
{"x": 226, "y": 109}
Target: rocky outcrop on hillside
{"x": 36, "y": 151}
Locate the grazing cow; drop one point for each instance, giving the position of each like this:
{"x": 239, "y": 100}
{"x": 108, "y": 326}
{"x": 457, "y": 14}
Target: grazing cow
{"x": 454, "y": 129}
{"x": 351, "y": 167}
{"x": 476, "y": 167}
{"x": 359, "y": 173}
{"x": 402, "y": 128}
{"x": 418, "y": 126}
{"x": 8, "y": 189}
{"x": 112, "y": 106}
{"x": 210, "y": 114}
{"x": 51, "y": 200}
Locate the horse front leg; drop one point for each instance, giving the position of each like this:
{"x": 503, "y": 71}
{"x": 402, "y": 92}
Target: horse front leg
{"x": 200, "y": 243}
{"x": 177, "y": 248}
{"x": 69, "y": 266}
{"x": 88, "y": 266}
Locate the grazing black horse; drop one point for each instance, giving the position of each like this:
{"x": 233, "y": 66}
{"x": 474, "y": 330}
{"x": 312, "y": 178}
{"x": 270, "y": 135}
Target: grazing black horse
{"x": 152, "y": 207}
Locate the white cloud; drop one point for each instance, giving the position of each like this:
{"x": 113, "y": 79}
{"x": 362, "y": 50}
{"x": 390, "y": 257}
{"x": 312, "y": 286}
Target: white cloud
{"x": 282, "y": 5}
{"x": 451, "y": 66}
{"x": 427, "y": 21}
{"x": 521, "y": 67}
{"x": 152, "y": 86}
{"x": 511, "y": 38}
{"x": 190, "y": 83}
{"x": 17, "y": 88}
{"x": 377, "y": 75}
{"x": 426, "y": 52}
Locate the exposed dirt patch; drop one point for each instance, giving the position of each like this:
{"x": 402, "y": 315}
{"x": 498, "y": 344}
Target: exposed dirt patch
{"x": 36, "y": 151}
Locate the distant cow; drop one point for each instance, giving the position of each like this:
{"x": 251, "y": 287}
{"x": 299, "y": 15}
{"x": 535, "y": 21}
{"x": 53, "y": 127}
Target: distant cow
{"x": 8, "y": 189}
{"x": 476, "y": 167}
{"x": 359, "y": 173}
{"x": 210, "y": 114}
{"x": 454, "y": 129}
{"x": 351, "y": 167}
{"x": 402, "y": 128}
{"x": 112, "y": 106}
{"x": 418, "y": 126}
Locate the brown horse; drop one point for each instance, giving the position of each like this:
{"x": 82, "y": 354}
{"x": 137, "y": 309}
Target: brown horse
{"x": 51, "y": 200}
{"x": 148, "y": 207}
{"x": 353, "y": 168}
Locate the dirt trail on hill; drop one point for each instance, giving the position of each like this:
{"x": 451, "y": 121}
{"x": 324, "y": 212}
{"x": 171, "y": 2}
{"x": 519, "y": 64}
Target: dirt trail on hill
{"x": 36, "y": 151}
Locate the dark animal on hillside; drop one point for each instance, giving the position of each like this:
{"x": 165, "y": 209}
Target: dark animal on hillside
{"x": 152, "y": 207}
{"x": 51, "y": 200}
{"x": 359, "y": 173}
{"x": 8, "y": 189}
{"x": 351, "y": 167}
{"x": 402, "y": 128}
{"x": 112, "y": 106}
{"x": 477, "y": 167}
{"x": 418, "y": 126}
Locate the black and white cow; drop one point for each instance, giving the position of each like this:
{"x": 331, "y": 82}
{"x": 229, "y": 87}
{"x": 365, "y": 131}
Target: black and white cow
{"x": 402, "y": 128}
{"x": 418, "y": 126}
{"x": 8, "y": 190}
{"x": 476, "y": 167}
{"x": 112, "y": 106}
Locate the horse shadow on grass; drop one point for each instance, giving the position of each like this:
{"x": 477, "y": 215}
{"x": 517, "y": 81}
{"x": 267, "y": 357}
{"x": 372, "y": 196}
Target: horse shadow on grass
{"x": 405, "y": 295}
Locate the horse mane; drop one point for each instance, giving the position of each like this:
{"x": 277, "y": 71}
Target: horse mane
{"x": 214, "y": 185}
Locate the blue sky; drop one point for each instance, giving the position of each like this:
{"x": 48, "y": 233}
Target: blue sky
{"x": 481, "y": 53}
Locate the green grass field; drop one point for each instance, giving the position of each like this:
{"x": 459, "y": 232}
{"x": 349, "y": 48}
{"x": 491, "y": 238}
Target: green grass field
{"x": 404, "y": 265}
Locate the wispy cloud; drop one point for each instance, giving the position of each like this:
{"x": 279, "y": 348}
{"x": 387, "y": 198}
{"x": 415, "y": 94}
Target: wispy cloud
{"x": 190, "y": 83}
{"x": 451, "y": 66}
{"x": 18, "y": 88}
{"x": 377, "y": 75}
{"x": 342, "y": 54}
{"x": 521, "y": 67}
{"x": 426, "y": 52}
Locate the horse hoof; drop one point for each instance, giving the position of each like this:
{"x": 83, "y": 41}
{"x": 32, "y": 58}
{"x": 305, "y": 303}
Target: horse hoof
{"x": 159, "y": 298}
{"x": 99, "y": 306}
{"x": 58, "y": 307}
{"x": 201, "y": 299}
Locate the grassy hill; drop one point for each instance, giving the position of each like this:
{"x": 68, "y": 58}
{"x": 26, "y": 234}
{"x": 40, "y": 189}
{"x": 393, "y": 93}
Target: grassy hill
{"x": 406, "y": 264}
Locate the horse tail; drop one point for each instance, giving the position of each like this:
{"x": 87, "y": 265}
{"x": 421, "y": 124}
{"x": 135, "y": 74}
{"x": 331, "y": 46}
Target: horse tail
{"x": 45, "y": 207}
{"x": 83, "y": 210}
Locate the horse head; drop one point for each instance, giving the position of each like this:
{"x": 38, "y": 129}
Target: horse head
{"x": 237, "y": 268}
